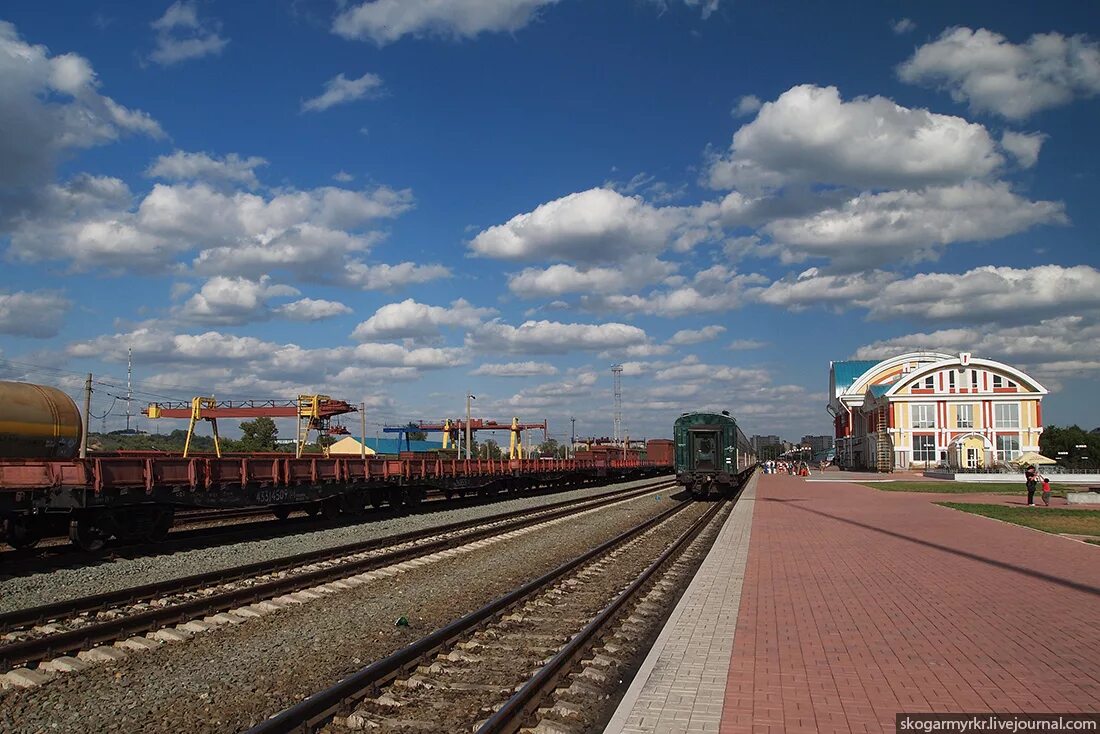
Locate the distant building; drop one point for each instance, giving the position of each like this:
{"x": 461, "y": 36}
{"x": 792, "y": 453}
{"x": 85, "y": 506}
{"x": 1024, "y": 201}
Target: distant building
{"x": 351, "y": 446}
{"x": 924, "y": 409}
{"x": 818, "y": 444}
{"x": 759, "y": 442}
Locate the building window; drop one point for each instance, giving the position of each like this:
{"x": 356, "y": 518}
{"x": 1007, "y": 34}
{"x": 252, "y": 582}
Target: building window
{"x": 1008, "y": 447}
{"x": 974, "y": 379}
{"x": 1006, "y": 415}
{"x": 930, "y": 382}
{"x": 998, "y": 381}
{"x": 951, "y": 379}
{"x": 924, "y": 448}
{"x": 965, "y": 416}
{"x": 924, "y": 415}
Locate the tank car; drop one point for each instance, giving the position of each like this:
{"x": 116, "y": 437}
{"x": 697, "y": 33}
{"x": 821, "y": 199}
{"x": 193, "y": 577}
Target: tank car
{"x": 37, "y": 422}
{"x": 710, "y": 452}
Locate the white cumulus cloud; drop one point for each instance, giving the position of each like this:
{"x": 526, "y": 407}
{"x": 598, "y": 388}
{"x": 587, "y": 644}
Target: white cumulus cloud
{"x": 714, "y": 289}
{"x": 38, "y": 314}
{"x": 235, "y": 233}
{"x": 312, "y": 309}
{"x": 383, "y": 277}
{"x": 992, "y": 74}
{"x": 410, "y": 319}
{"x": 1058, "y": 347}
{"x": 696, "y": 336}
{"x": 553, "y": 337}
{"x": 811, "y": 135}
{"x": 225, "y": 300}
{"x": 341, "y": 90}
{"x": 597, "y": 225}
{"x": 902, "y": 26}
{"x": 1001, "y": 294}
{"x": 184, "y": 166}
{"x": 385, "y": 21}
{"x": 560, "y": 279}
{"x": 516, "y": 369}
{"x": 182, "y": 35}
{"x": 987, "y": 294}
{"x": 873, "y": 229}
{"x": 747, "y": 105}
{"x": 50, "y": 105}
{"x": 1024, "y": 147}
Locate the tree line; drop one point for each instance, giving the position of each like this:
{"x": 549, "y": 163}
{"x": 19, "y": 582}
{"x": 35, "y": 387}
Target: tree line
{"x": 262, "y": 434}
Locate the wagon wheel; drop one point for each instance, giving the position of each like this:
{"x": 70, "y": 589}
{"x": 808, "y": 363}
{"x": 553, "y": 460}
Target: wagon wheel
{"x": 22, "y": 534}
{"x": 395, "y": 496}
{"x": 377, "y": 498}
{"x": 86, "y": 535}
{"x": 414, "y": 496}
{"x": 282, "y": 512}
{"x": 330, "y": 509}
{"x": 161, "y": 523}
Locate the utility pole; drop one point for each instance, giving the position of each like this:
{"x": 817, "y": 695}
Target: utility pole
{"x": 363, "y": 430}
{"x": 129, "y": 389}
{"x": 617, "y": 385}
{"x": 469, "y": 397}
{"x": 87, "y": 417}
{"x": 573, "y": 435}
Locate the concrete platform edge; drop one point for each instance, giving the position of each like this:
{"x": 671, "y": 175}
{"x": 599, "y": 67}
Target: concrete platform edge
{"x": 658, "y": 679}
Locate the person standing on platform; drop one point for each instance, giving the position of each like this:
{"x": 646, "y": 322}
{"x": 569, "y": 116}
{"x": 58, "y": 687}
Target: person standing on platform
{"x": 1031, "y": 476}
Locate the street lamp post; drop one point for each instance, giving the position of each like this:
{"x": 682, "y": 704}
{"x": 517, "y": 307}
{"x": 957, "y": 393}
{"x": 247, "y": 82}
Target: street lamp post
{"x": 469, "y": 397}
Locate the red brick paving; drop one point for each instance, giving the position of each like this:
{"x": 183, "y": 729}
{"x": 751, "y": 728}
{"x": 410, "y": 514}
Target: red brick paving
{"x": 859, "y": 604}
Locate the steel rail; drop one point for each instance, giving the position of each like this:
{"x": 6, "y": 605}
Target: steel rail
{"x": 39, "y": 614}
{"x": 321, "y": 706}
{"x": 510, "y": 717}
{"x": 36, "y": 649}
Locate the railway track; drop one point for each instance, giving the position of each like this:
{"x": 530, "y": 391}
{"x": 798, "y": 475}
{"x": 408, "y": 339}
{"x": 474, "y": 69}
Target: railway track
{"x": 41, "y": 633}
{"x": 514, "y": 661}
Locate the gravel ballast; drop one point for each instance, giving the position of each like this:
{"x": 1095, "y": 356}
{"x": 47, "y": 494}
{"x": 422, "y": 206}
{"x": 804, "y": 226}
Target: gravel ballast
{"x": 231, "y": 677}
{"x": 70, "y": 583}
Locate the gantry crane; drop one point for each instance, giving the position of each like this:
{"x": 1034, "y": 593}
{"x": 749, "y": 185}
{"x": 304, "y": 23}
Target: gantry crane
{"x": 312, "y": 411}
{"x": 453, "y": 429}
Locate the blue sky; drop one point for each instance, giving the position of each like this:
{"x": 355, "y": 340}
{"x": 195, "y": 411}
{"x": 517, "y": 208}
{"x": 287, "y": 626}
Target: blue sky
{"x": 398, "y": 201}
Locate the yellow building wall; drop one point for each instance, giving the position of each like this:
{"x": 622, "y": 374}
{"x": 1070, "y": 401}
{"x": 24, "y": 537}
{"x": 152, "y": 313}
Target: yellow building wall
{"x": 975, "y": 415}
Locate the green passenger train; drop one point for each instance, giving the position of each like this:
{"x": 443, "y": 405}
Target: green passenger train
{"x": 711, "y": 452}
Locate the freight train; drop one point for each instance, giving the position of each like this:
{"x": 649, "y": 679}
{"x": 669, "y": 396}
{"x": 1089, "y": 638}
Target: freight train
{"x": 44, "y": 486}
{"x": 711, "y": 451}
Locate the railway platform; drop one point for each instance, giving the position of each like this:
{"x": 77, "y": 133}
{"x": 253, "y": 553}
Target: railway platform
{"x": 834, "y": 606}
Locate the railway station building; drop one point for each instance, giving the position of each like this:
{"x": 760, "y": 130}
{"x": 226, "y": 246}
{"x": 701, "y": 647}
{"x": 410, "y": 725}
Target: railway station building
{"x": 926, "y": 409}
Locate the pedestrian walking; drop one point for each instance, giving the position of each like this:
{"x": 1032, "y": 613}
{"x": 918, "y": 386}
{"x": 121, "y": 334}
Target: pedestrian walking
{"x": 1032, "y": 476}
{"x": 1046, "y": 490}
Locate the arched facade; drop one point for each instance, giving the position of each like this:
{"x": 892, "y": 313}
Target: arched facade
{"x": 925, "y": 409}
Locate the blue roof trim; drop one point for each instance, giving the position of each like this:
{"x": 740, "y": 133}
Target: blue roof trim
{"x": 845, "y": 373}
{"x": 393, "y": 445}
{"x": 879, "y": 390}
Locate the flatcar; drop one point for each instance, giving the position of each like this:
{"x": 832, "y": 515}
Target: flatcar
{"x": 45, "y": 486}
{"x": 711, "y": 452}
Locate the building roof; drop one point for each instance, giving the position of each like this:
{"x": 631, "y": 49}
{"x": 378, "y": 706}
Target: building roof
{"x": 879, "y": 390}
{"x": 848, "y": 371}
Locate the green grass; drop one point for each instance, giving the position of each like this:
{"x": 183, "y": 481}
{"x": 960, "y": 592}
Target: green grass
{"x": 948, "y": 487}
{"x": 1048, "y": 519}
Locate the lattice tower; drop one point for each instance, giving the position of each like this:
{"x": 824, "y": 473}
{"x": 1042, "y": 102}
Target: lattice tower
{"x": 617, "y": 385}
